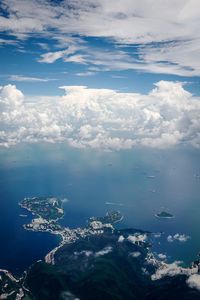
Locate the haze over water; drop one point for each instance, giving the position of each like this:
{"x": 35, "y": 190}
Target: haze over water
{"x": 138, "y": 182}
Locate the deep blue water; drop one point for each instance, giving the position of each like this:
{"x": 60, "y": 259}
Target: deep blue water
{"x": 89, "y": 179}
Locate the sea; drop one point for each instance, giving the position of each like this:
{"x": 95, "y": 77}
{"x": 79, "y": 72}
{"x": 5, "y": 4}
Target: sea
{"x": 139, "y": 182}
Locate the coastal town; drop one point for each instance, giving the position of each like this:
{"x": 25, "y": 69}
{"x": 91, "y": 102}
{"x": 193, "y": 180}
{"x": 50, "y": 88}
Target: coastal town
{"x": 48, "y": 211}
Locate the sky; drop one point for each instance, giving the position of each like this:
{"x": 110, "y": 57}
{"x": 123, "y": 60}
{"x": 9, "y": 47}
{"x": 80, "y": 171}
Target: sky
{"x": 101, "y": 74}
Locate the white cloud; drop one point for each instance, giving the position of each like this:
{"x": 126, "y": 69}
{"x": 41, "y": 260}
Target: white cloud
{"x": 178, "y": 237}
{"x": 164, "y": 269}
{"x": 135, "y": 254}
{"x": 167, "y": 35}
{"x": 8, "y": 42}
{"x": 194, "y": 281}
{"x": 137, "y": 238}
{"x": 104, "y": 251}
{"x": 84, "y": 252}
{"x": 28, "y": 79}
{"x": 101, "y": 118}
{"x": 11, "y": 98}
{"x": 118, "y": 76}
{"x": 162, "y": 256}
{"x": 100, "y": 18}
{"x": 121, "y": 239}
{"x": 157, "y": 235}
{"x": 87, "y": 73}
{"x": 171, "y": 270}
{"x": 66, "y": 295}
{"x": 51, "y": 57}
{"x": 118, "y": 60}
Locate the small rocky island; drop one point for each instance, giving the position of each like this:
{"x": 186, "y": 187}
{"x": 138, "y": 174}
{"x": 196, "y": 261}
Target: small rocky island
{"x": 164, "y": 215}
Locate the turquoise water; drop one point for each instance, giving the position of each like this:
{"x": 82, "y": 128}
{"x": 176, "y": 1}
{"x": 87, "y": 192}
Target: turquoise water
{"x": 91, "y": 179}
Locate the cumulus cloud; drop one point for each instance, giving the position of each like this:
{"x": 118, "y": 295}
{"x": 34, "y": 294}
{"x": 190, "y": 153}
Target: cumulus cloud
{"x": 194, "y": 281}
{"x": 178, "y": 237}
{"x": 102, "y": 118}
{"x": 162, "y": 256}
{"x": 167, "y": 36}
{"x": 121, "y": 238}
{"x": 171, "y": 270}
{"x": 137, "y": 238}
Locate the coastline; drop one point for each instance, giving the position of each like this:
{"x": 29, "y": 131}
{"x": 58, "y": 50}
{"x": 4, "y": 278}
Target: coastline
{"x": 95, "y": 226}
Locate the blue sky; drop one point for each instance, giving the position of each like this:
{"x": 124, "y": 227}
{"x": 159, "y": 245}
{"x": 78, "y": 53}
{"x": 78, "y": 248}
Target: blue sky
{"x": 21, "y": 68}
{"x": 100, "y": 74}
{"x": 123, "y": 45}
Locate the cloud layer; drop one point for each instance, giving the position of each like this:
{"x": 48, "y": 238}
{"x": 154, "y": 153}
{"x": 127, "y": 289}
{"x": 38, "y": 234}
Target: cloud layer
{"x": 101, "y": 118}
{"x": 166, "y": 37}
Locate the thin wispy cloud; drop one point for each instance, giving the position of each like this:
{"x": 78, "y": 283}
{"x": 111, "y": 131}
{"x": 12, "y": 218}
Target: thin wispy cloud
{"x": 87, "y": 73}
{"x": 4, "y": 42}
{"x": 28, "y": 79}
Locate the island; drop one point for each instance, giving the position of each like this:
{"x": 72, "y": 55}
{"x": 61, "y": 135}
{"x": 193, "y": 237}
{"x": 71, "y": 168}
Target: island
{"x": 164, "y": 215}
